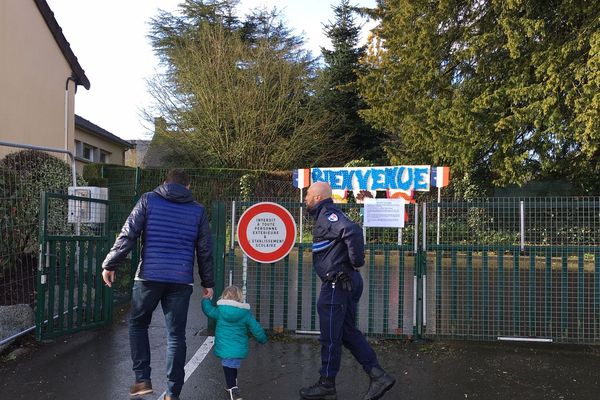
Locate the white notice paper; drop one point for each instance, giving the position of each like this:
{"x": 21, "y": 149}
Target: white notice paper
{"x": 384, "y": 213}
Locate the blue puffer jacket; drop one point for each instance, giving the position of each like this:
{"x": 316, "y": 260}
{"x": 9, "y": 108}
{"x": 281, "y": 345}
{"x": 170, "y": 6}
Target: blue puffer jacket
{"x": 338, "y": 243}
{"x": 173, "y": 227}
{"x": 234, "y": 320}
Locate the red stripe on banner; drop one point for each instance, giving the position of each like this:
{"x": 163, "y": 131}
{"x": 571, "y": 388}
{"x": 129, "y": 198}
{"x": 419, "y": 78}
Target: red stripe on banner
{"x": 306, "y": 181}
{"x": 445, "y": 176}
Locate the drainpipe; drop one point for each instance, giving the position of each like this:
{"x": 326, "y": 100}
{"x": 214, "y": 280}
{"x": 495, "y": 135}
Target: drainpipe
{"x": 70, "y": 78}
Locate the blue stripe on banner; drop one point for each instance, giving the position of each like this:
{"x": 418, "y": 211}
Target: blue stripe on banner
{"x": 295, "y": 174}
{"x": 433, "y": 177}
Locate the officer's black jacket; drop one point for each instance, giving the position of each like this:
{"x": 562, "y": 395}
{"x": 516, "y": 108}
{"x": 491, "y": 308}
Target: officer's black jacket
{"x": 338, "y": 244}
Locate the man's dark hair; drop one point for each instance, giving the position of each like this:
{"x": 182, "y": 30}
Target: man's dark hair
{"x": 177, "y": 175}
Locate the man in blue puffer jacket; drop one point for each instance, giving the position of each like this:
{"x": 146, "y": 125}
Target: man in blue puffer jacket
{"x": 338, "y": 250}
{"x": 175, "y": 231}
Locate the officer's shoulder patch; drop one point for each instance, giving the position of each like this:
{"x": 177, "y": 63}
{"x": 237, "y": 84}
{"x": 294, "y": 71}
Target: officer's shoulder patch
{"x": 333, "y": 217}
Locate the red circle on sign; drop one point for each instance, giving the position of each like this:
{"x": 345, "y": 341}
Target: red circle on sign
{"x": 290, "y": 232}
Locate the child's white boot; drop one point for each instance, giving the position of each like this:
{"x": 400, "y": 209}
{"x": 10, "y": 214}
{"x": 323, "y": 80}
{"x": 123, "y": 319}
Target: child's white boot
{"x": 234, "y": 393}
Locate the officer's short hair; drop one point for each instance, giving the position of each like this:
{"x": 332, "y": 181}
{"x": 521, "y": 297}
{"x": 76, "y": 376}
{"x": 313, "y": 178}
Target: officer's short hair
{"x": 177, "y": 175}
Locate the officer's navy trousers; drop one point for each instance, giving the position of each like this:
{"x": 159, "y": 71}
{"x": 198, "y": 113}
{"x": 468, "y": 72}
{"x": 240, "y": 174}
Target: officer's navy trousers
{"x": 337, "y": 317}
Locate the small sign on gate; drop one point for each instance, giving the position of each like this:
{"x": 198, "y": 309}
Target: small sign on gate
{"x": 384, "y": 213}
{"x": 266, "y": 232}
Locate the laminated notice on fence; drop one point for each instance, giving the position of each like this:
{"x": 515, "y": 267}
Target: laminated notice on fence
{"x": 384, "y": 213}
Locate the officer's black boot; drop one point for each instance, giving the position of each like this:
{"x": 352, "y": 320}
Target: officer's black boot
{"x": 324, "y": 389}
{"x": 380, "y": 383}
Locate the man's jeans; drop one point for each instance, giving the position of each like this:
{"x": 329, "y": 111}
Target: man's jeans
{"x": 175, "y": 300}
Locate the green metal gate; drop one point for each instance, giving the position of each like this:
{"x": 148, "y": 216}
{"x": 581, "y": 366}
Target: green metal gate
{"x": 73, "y": 240}
{"x": 284, "y": 294}
{"x": 502, "y": 269}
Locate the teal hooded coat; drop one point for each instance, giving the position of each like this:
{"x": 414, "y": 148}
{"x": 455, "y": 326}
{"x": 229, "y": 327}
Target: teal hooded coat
{"x": 234, "y": 320}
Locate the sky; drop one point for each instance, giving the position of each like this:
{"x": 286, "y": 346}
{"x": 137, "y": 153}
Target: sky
{"x": 109, "y": 38}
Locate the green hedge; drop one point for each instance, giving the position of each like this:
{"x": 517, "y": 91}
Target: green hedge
{"x": 23, "y": 176}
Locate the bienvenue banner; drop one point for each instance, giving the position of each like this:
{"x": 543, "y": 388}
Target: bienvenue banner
{"x": 404, "y": 178}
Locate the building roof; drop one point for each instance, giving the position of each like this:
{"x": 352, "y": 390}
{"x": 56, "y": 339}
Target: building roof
{"x": 48, "y": 15}
{"x": 94, "y": 129}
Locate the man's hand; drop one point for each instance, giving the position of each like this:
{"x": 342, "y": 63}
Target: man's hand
{"x": 108, "y": 277}
{"x": 344, "y": 281}
{"x": 208, "y": 293}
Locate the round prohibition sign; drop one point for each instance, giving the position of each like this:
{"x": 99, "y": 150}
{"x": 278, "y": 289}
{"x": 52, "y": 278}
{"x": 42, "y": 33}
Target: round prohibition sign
{"x": 266, "y": 232}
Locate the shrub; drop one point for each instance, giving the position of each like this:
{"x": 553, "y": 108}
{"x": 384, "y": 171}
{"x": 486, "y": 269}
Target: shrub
{"x": 24, "y": 175}
{"x": 92, "y": 173}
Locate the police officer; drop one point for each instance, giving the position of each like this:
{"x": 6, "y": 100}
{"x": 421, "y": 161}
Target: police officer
{"x": 338, "y": 250}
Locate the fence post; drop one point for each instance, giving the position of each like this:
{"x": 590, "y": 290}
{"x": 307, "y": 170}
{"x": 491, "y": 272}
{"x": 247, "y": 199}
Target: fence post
{"x": 42, "y": 270}
{"x": 136, "y": 193}
{"x": 419, "y": 278}
{"x": 232, "y": 249}
{"x": 218, "y": 230}
{"x": 522, "y": 224}
{"x": 418, "y": 287}
{"x": 423, "y": 268}
{"x": 135, "y": 254}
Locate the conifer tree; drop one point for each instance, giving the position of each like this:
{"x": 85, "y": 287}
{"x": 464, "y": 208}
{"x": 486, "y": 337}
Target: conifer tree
{"x": 337, "y": 93}
{"x": 509, "y": 87}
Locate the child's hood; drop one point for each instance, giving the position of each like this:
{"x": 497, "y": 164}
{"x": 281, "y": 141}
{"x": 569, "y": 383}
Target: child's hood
{"x": 233, "y": 311}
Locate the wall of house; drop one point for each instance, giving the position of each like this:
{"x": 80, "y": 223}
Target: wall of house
{"x": 114, "y": 150}
{"x": 135, "y": 157}
{"x": 33, "y": 72}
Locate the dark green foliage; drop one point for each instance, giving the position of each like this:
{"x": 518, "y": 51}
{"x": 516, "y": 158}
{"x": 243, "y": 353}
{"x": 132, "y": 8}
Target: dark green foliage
{"x": 266, "y": 185}
{"x": 337, "y": 91}
{"x": 24, "y": 175}
{"x": 8, "y": 216}
{"x": 508, "y": 87}
{"x": 92, "y": 173}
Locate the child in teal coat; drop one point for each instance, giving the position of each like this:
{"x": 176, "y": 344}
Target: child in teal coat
{"x": 234, "y": 320}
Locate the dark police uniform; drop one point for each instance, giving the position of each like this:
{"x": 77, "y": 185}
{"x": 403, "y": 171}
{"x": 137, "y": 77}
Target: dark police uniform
{"x": 338, "y": 246}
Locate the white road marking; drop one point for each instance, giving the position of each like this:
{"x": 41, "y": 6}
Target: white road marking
{"x": 195, "y": 361}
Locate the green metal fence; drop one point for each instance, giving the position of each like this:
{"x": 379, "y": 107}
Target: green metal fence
{"x": 284, "y": 294}
{"x": 514, "y": 269}
{"x": 494, "y": 268}
{"x": 70, "y": 293}
{"x": 127, "y": 184}
{"x": 207, "y": 185}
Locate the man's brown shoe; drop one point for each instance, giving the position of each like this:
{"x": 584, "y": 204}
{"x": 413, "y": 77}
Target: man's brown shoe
{"x": 141, "y": 388}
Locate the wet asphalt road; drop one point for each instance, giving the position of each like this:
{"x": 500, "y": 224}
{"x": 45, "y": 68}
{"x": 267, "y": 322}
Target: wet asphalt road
{"x": 96, "y": 366}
